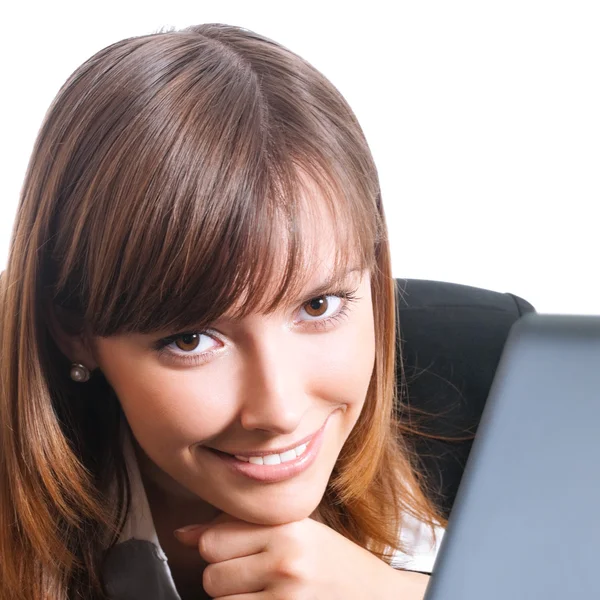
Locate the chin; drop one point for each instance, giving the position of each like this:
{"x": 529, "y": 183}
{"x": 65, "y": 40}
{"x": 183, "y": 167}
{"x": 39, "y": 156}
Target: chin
{"x": 276, "y": 510}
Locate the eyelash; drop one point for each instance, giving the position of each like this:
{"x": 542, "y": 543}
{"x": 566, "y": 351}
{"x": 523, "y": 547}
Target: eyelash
{"x": 347, "y": 297}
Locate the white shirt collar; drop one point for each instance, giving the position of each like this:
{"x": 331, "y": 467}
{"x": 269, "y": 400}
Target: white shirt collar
{"x": 139, "y": 524}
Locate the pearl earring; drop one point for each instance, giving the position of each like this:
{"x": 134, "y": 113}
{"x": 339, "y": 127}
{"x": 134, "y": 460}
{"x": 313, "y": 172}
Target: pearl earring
{"x": 79, "y": 373}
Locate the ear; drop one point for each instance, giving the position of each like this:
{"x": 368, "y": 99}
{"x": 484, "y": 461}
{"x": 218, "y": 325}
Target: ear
{"x": 73, "y": 341}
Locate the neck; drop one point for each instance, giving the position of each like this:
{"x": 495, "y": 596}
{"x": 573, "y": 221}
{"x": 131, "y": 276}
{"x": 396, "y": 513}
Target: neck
{"x": 170, "y": 501}
{"x": 172, "y": 507}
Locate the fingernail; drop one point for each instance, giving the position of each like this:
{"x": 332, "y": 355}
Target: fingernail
{"x": 189, "y": 529}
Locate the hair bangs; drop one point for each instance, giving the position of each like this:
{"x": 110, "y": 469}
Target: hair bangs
{"x": 255, "y": 259}
{"x": 315, "y": 229}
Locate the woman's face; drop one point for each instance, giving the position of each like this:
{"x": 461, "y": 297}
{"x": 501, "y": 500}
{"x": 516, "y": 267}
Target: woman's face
{"x": 264, "y": 384}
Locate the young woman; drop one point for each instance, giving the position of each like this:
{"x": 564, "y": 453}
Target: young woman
{"x": 198, "y": 340}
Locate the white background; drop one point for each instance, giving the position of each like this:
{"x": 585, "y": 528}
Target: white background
{"x": 483, "y": 117}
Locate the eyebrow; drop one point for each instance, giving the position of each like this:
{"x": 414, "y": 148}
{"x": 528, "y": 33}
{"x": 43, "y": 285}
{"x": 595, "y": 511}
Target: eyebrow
{"x": 328, "y": 284}
{"x": 320, "y": 290}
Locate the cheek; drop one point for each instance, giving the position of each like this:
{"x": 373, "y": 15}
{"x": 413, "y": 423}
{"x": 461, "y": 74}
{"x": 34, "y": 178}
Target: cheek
{"x": 346, "y": 359}
{"x": 168, "y": 408}
{"x": 344, "y": 367}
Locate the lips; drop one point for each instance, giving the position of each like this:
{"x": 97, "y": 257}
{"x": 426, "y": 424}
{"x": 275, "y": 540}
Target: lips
{"x": 272, "y": 472}
{"x": 281, "y": 450}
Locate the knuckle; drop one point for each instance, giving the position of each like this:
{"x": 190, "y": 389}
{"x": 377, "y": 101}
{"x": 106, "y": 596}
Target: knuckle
{"x": 207, "y": 544}
{"x": 210, "y": 581}
{"x": 293, "y": 532}
{"x": 293, "y": 568}
{"x": 290, "y": 536}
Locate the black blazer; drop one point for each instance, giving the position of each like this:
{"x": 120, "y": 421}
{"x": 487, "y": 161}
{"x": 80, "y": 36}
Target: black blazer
{"x": 450, "y": 338}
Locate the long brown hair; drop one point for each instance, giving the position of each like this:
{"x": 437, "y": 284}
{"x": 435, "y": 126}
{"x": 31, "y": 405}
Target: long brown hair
{"x": 169, "y": 181}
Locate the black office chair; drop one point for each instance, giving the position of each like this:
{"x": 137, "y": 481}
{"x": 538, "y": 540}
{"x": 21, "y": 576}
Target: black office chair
{"x": 450, "y": 337}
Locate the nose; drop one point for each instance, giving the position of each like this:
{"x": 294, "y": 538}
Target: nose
{"x": 273, "y": 393}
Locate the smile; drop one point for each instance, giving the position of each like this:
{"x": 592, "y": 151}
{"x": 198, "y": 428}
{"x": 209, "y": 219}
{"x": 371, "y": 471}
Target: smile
{"x": 274, "y": 467}
{"x": 275, "y": 459}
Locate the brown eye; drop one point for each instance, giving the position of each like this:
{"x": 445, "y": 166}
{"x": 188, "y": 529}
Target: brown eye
{"x": 188, "y": 342}
{"x": 317, "y": 307}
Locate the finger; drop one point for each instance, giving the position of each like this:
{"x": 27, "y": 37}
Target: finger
{"x": 262, "y": 595}
{"x": 257, "y": 596}
{"x": 227, "y": 541}
{"x": 247, "y": 575}
{"x": 190, "y": 534}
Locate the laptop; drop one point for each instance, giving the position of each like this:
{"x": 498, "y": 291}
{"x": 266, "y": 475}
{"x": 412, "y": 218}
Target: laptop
{"x": 526, "y": 520}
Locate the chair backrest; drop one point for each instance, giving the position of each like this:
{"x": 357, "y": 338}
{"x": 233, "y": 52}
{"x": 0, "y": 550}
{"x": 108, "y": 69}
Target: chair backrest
{"x": 450, "y": 339}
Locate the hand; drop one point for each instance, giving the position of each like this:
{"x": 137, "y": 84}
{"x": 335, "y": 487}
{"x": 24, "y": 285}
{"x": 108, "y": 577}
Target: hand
{"x": 303, "y": 560}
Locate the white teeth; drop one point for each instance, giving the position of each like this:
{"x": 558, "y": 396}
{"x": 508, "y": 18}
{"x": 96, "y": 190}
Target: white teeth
{"x": 288, "y": 455}
{"x": 275, "y": 459}
{"x": 300, "y": 449}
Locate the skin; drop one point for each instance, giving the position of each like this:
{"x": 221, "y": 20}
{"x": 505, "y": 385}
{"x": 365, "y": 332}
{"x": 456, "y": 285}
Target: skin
{"x": 273, "y": 380}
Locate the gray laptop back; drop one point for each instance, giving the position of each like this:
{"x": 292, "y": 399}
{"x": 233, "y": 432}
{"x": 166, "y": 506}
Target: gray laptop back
{"x": 526, "y": 520}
